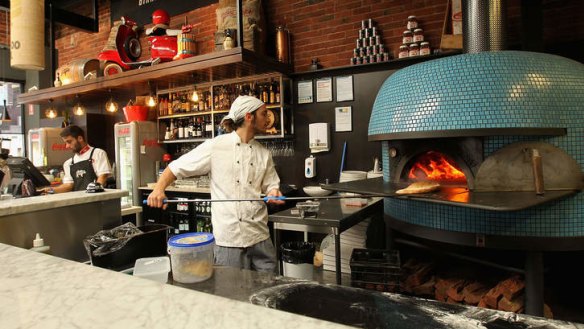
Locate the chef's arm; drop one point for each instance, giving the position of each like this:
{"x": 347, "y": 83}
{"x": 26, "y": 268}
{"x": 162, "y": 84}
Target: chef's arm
{"x": 65, "y": 187}
{"x": 157, "y": 196}
{"x": 102, "y": 179}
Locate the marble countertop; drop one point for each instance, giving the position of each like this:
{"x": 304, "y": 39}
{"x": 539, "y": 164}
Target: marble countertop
{"x": 38, "y": 290}
{"x": 50, "y": 201}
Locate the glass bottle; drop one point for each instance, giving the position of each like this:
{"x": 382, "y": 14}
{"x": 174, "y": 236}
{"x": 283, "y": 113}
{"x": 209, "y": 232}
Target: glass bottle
{"x": 272, "y": 93}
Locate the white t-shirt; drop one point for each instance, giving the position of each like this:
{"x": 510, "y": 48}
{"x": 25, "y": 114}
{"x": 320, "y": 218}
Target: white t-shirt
{"x": 100, "y": 163}
{"x": 236, "y": 171}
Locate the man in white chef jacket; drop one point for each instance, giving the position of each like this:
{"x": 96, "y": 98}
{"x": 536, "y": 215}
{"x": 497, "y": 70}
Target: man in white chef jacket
{"x": 239, "y": 167}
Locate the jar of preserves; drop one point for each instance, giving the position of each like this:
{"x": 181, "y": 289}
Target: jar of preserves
{"x": 425, "y": 48}
{"x": 408, "y": 37}
{"x": 412, "y": 22}
{"x": 403, "y": 51}
{"x": 414, "y": 50}
{"x": 418, "y": 35}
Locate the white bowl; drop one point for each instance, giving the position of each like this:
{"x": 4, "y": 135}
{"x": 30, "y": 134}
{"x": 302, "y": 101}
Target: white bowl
{"x": 316, "y": 191}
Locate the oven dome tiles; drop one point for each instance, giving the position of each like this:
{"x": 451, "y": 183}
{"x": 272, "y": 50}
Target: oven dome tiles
{"x": 480, "y": 92}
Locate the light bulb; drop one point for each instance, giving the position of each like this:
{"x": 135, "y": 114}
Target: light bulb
{"x": 51, "y": 113}
{"x": 195, "y": 97}
{"x": 111, "y": 106}
{"x": 151, "y": 101}
{"x": 78, "y": 109}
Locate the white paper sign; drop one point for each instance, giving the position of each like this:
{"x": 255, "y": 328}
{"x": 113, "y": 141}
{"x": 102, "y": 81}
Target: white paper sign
{"x": 344, "y": 88}
{"x": 305, "y": 92}
{"x": 343, "y": 120}
{"x": 324, "y": 90}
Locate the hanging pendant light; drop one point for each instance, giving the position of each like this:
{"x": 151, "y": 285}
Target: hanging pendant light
{"x": 195, "y": 96}
{"x": 27, "y": 34}
{"x": 5, "y": 114}
{"x": 51, "y": 111}
{"x": 111, "y": 106}
{"x": 151, "y": 102}
{"x": 78, "y": 109}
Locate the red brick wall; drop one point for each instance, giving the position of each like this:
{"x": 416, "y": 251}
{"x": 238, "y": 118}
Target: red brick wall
{"x": 327, "y": 29}
{"x": 4, "y": 17}
{"x": 73, "y": 44}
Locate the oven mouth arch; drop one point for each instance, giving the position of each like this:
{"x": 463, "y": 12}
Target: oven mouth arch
{"x": 467, "y": 153}
{"x": 438, "y": 162}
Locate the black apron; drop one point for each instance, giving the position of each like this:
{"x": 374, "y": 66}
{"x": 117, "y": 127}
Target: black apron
{"x": 82, "y": 173}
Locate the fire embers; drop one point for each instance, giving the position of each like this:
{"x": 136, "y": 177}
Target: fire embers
{"x": 435, "y": 166}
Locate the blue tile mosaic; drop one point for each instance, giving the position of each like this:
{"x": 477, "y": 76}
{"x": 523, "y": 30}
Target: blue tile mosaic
{"x": 508, "y": 89}
{"x": 505, "y": 89}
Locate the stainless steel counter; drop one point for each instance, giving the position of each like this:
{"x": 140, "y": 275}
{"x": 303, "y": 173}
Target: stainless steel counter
{"x": 333, "y": 216}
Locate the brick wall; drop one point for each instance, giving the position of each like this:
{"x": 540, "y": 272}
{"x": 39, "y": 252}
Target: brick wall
{"x": 327, "y": 29}
{"x": 4, "y": 17}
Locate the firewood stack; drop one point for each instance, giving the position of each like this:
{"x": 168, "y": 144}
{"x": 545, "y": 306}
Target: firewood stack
{"x": 422, "y": 279}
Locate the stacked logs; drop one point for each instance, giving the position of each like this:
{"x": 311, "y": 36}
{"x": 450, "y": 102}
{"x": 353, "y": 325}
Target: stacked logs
{"x": 463, "y": 286}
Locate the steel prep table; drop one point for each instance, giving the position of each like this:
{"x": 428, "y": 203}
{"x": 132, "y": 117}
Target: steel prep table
{"x": 333, "y": 217}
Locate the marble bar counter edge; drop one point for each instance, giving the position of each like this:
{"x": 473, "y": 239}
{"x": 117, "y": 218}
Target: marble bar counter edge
{"x": 38, "y": 290}
{"x": 51, "y": 201}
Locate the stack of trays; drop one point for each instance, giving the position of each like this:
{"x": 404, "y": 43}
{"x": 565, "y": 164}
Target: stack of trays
{"x": 352, "y": 238}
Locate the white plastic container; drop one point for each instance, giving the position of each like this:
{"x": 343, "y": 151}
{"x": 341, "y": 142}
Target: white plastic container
{"x": 152, "y": 268}
{"x": 38, "y": 245}
{"x": 191, "y": 256}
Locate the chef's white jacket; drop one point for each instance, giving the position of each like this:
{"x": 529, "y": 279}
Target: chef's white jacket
{"x": 236, "y": 170}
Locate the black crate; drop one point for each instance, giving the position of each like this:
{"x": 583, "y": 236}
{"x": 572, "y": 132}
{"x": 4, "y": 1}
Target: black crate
{"x": 151, "y": 243}
{"x": 375, "y": 269}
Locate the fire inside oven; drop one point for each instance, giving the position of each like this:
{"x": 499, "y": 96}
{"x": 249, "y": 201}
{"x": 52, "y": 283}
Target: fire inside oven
{"x": 434, "y": 166}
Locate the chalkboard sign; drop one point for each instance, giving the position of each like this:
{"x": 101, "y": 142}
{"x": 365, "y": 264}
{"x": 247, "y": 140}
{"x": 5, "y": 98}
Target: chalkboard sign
{"x": 141, "y": 10}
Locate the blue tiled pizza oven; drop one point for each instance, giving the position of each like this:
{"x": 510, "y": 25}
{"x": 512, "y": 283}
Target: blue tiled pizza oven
{"x": 469, "y": 94}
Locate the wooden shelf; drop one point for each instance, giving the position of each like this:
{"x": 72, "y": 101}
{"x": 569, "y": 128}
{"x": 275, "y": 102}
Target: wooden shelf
{"x": 394, "y": 64}
{"x": 212, "y": 67}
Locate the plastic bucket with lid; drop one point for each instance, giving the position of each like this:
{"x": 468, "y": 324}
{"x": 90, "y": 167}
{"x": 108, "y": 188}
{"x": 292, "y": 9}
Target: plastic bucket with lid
{"x": 191, "y": 256}
{"x": 297, "y": 259}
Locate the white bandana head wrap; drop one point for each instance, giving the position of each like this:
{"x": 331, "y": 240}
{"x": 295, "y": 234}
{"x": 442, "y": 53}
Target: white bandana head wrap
{"x": 242, "y": 105}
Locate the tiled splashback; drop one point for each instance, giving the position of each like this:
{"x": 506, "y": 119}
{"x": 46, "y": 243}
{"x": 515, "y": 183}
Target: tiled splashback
{"x": 507, "y": 89}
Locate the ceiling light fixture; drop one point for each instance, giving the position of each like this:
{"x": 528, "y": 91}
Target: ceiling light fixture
{"x": 195, "y": 95}
{"x": 78, "y": 109}
{"x": 111, "y": 106}
{"x": 51, "y": 111}
{"x": 151, "y": 102}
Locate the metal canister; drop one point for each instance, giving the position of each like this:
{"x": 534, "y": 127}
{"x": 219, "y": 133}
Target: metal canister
{"x": 283, "y": 44}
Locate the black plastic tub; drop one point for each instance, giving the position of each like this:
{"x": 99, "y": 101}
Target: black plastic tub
{"x": 151, "y": 243}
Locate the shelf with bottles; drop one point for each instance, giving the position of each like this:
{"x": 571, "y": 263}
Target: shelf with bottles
{"x": 193, "y": 114}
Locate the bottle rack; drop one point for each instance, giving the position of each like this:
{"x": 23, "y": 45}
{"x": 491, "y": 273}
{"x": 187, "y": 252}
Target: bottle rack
{"x": 184, "y": 119}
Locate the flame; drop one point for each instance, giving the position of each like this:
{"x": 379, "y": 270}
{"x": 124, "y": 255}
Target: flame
{"x": 437, "y": 167}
